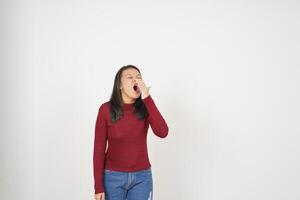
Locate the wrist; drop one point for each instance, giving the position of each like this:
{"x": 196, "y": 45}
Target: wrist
{"x": 144, "y": 96}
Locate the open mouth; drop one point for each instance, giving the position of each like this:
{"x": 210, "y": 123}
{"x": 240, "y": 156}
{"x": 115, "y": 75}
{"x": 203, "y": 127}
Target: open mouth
{"x": 136, "y": 88}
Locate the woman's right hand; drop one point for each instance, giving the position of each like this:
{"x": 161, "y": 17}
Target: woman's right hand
{"x": 100, "y": 196}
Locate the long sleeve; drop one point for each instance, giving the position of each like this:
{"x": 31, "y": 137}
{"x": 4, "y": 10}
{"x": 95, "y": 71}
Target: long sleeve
{"x": 100, "y": 140}
{"x": 156, "y": 120}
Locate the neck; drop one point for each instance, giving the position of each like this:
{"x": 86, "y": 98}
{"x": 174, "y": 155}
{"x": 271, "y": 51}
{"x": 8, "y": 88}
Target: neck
{"x": 127, "y": 106}
{"x": 126, "y": 99}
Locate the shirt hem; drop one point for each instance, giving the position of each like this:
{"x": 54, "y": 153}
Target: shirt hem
{"x": 133, "y": 169}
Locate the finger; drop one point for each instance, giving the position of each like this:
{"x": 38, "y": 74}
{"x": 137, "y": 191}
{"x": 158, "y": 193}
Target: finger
{"x": 140, "y": 80}
{"x": 141, "y": 83}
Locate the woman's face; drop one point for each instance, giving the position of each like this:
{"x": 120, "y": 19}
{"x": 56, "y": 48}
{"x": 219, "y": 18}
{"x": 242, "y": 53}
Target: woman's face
{"x": 128, "y": 80}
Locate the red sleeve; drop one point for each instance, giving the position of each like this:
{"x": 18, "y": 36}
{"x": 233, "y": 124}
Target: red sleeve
{"x": 100, "y": 140}
{"x": 155, "y": 119}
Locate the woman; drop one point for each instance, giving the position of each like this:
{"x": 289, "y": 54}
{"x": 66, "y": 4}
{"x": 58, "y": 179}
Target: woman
{"x": 124, "y": 170}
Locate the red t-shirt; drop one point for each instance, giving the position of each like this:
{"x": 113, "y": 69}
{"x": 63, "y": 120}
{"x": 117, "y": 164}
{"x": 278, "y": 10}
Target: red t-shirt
{"x": 127, "y": 140}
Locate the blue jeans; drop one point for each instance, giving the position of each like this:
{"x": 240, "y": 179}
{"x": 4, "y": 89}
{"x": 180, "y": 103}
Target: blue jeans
{"x": 128, "y": 185}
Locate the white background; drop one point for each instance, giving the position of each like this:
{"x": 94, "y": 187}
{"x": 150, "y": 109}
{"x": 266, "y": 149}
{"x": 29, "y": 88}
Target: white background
{"x": 224, "y": 74}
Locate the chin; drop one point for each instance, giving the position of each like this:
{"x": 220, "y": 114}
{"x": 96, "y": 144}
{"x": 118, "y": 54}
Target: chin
{"x": 133, "y": 95}
{"x": 136, "y": 96}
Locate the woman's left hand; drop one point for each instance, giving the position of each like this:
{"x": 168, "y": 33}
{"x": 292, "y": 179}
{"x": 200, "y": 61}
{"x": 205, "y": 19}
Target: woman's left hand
{"x": 144, "y": 89}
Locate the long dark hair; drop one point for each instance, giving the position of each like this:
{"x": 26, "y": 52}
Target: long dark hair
{"x": 116, "y": 101}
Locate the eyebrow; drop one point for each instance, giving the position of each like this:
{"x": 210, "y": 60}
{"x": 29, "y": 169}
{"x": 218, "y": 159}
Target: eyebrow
{"x": 131, "y": 74}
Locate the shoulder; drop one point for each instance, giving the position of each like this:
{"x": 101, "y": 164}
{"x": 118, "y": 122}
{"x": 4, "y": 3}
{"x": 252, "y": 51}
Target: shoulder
{"x": 103, "y": 111}
{"x": 104, "y": 107}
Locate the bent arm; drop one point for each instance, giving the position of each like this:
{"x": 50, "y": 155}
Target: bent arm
{"x": 155, "y": 119}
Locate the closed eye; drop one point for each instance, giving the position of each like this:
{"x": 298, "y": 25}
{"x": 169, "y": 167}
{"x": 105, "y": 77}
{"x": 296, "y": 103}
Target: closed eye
{"x": 139, "y": 77}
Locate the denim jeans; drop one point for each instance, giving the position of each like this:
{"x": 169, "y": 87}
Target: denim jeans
{"x": 136, "y": 185}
